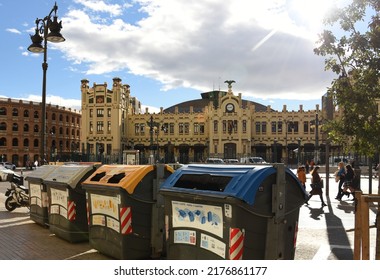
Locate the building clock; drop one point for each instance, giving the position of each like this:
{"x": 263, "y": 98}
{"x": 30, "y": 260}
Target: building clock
{"x": 230, "y": 107}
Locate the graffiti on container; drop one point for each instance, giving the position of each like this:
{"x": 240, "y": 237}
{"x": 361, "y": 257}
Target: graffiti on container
{"x": 58, "y": 197}
{"x": 205, "y": 217}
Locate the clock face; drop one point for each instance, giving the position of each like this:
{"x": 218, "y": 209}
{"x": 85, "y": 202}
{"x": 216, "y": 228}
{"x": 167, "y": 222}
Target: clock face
{"x": 230, "y": 107}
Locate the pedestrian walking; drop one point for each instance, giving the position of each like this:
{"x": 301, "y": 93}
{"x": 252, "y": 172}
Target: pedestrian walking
{"x": 316, "y": 186}
{"x": 348, "y": 182}
{"x": 301, "y": 175}
{"x": 340, "y": 176}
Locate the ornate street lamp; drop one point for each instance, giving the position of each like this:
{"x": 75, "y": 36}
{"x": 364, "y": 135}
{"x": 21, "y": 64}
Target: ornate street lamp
{"x": 42, "y": 34}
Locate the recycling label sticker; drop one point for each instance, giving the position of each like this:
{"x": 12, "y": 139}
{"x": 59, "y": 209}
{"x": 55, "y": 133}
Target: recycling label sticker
{"x": 205, "y": 217}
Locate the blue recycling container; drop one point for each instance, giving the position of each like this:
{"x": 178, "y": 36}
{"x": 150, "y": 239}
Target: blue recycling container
{"x": 232, "y": 212}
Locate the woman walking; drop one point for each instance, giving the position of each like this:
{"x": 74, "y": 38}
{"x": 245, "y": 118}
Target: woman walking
{"x": 316, "y": 186}
{"x": 348, "y": 182}
{"x": 341, "y": 175}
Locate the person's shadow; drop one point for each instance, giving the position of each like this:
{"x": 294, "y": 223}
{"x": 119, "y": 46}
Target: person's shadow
{"x": 315, "y": 213}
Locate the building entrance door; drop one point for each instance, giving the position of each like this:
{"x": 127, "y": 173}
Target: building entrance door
{"x": 230, "y": 150}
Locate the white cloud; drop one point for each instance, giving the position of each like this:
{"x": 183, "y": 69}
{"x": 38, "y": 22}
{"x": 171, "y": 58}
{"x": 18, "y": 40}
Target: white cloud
{"x": 13, "y": 30}
{"x": 56, "y": 100}
{"x": 191, "y": 43}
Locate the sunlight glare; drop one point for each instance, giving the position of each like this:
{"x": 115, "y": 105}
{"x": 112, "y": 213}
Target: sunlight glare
{"x": 311, "y": 12}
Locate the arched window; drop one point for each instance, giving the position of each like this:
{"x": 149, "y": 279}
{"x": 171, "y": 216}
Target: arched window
{"x": 36, "y": 129}
{"x": 52, "y": 130}
{"x": 26, "y": 127}
{"x": 15, "y": 112}
{"x": 3, "y": 126}
{"x": 60, "y": 131}
{"x": 14, "y": 142}
{"x": 60, "y": 118}
{"x": 26, "y": 142}
{"x": 15, "y": 127}
{"x": 3, "y": 111}
{"x": 53, "y": 116}
{"x": 36, "y": 114}
{"x": 26, "y": 114}
{"x": 3, "y": 141}
{"x": 35, "y": 143}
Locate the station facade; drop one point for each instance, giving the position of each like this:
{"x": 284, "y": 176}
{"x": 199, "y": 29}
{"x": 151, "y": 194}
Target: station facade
{"x": 221, "y": 124}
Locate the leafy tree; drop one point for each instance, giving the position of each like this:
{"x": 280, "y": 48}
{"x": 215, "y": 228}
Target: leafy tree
{"x": 354, "y": 57}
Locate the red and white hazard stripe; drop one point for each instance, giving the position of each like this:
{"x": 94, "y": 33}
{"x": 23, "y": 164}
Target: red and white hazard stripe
{"x": 295, "y": 235}
{"x": 71, "y": 212}
{"x": 126, "y": 220}
{"x": 88, "y": 213}
{"x": 236, "y": 243}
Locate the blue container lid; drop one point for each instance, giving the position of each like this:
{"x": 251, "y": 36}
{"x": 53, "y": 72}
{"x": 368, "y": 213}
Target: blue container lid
{"x": 240, "y": 181}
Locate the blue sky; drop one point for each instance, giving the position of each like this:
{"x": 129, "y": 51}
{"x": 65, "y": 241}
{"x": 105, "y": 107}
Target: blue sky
{"x": 169, "y": 51}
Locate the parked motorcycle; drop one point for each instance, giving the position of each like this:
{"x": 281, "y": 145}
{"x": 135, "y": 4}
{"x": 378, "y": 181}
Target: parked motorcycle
{"x": 18, "y": 195}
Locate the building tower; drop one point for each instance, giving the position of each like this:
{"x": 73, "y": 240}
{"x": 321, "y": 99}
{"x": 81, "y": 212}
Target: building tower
{"x": 104, "y": 126}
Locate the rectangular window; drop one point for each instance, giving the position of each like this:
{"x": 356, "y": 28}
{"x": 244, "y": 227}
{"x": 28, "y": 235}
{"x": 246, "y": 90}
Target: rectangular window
{"x": 295, "y": 127}
{"x": 196, "y": 128}
{"x": 171, "y": 128}
{"x": 279, "y": 127}
{"x": 91, "y": 126}
{"x": 142, "y": 129}
{"x": 99, "y": 126}
{"x": 274, "y": 127}
{"x": 202, "y": 128}
{"x": 258, "y": 127}
{"x": 187, "y": 128}
{"x": 137, "y": 129}
{"x": 108, "y": 126}
{"x": 306, "y": 127}
{"x": 165, "y": 128}
{"x": 109, "y": 112}
{"x": 215, "y": 126}
{"x": 91, "y": 113}
{"x": 264, "y": 127}
{"x": 244, "y": 128}
{"x": 100, "y": 112}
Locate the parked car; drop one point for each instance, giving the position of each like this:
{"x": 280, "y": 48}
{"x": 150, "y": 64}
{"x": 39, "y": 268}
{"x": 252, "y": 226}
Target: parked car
{"x": 252, "y": 160}
{"x": 4, "y": 172}
{"x": 8, "y": 165}
{"x": 231, "y": 160}
{"x": 215, "y": 160}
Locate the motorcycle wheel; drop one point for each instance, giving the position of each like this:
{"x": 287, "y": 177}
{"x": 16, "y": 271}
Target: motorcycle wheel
{"x": 9, "y": 205}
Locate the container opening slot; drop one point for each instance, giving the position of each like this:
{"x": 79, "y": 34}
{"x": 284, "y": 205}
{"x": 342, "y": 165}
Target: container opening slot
{"x": 98, "y": 176}
{"x": 203, "y": 182}
{"x": 116, "y": 178}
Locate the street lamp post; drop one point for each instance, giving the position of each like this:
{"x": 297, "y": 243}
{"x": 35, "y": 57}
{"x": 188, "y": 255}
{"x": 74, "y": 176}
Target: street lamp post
{"x": 299, "y": 151}
{"x": 42, "y": 34}
{"x": 275, "y": 150}
{"x": 316, "y": 138}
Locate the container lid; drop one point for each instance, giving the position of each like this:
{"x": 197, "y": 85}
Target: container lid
{"x": 69, "y": 174}
{"x": 41, "y": 172}
{"x": 122, "y": 176}
{"x": 240, "y": 181}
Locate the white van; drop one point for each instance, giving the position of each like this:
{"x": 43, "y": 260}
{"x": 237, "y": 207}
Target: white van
{"x": 252, "y": 160}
